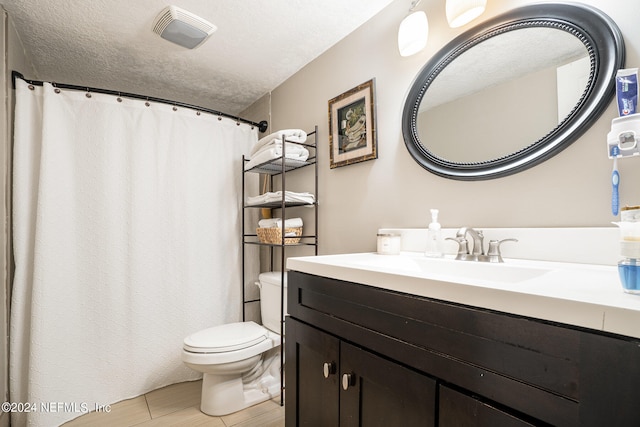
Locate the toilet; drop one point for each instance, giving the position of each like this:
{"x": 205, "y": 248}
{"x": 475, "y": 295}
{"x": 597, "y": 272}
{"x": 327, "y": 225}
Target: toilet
{"x": 240, "y": 361}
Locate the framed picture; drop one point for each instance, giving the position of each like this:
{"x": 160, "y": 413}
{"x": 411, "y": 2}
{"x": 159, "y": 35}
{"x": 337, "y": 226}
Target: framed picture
{"x": 352, "y": 127}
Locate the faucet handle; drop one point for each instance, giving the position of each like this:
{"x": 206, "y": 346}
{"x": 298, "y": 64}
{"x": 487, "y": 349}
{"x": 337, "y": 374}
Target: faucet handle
{"x": 463, "y": 246}
{"x": 479, "y": 241}
{"x": 493, "y": 253}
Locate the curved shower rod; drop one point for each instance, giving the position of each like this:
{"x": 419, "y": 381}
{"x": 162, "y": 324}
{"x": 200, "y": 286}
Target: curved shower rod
{"x": 262, "y": 126}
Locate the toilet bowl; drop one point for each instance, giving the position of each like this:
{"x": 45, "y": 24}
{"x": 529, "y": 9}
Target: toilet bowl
{"x": 240, "y": 361}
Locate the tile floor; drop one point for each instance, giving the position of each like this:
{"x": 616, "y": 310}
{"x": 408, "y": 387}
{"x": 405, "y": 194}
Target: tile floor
{"x": 178, "y": 405}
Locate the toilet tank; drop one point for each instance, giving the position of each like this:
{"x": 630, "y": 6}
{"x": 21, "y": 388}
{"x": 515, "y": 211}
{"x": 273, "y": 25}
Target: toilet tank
{"x": 270, "y": 299}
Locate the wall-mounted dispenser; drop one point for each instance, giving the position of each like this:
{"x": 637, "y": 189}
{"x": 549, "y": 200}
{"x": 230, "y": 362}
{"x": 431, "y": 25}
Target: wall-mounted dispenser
{"x": 625, "y": 136}
{"x": 622, "y": 140}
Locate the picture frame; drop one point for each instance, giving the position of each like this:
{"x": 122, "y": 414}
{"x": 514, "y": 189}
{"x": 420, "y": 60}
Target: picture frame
{"x": 352, "y": 126}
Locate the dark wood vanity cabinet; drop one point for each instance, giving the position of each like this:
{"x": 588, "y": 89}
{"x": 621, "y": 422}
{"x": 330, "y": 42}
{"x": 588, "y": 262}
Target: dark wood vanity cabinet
{"x": 360, "y": 355}
{"x": 314, "y": 357}
{"x": 341, "y": 384}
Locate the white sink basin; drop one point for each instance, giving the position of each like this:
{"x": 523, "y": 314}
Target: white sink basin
{"x": 450, "y": 269}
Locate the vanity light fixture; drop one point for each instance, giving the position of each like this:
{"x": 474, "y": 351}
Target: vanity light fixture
{"x": 413, "y": 31}
{"x": 461, "y": 12}
{"x": 182, "y": 28}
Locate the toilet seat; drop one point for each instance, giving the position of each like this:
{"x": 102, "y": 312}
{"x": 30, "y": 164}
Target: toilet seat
{"x": 225, "y": 338}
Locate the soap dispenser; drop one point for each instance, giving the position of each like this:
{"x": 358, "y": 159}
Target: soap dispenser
{"x": 435, "y": 243}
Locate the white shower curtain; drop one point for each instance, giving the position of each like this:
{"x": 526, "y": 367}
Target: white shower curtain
{"x": 127, "y": 224}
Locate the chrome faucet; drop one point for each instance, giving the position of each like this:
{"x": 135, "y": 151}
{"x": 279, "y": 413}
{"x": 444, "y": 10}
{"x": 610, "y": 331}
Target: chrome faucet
{"x": 477, "y": 254}
{"x": 463, "y": 249}
{"x": 478, "y": 239}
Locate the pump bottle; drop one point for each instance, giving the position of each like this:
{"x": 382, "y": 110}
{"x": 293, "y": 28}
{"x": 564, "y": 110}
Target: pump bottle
{"x": 435, "y": 242}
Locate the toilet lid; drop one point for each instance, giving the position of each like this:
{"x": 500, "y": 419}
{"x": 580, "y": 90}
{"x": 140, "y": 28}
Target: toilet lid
{"x": 228, "y": 337}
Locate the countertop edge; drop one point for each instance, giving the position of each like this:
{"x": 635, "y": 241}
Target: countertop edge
{"x": 582, "y": 314}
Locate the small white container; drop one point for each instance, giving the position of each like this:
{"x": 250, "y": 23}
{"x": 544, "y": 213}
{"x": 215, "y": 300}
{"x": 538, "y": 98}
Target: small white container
{"x": 630, "y": 214}
{"x": 389, "y": 243}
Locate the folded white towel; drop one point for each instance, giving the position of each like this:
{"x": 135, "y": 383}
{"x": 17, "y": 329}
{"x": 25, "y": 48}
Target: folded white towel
{"x": 290, "y": 223}
{"x": 277, "y": 223}
{"x": 276, "y": 145}
{"x": 291, "y": 135}
{"x": 289, "y": 196}
{"x": 268, "y": 222}
{"x": 273, "y": 152}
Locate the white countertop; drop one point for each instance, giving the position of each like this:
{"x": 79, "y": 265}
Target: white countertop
{"x": 582, "y": 295}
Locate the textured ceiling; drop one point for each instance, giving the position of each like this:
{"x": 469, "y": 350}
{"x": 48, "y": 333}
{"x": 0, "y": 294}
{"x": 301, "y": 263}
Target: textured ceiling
{"x": 110, "y": 44}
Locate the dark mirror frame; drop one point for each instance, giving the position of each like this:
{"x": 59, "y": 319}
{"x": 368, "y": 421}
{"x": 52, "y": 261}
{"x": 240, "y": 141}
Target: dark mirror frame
{"x": 605, "y": 45}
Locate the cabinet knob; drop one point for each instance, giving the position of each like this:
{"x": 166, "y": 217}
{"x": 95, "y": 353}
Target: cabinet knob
{"x": 348, "y": 380}
{"x": 329, "y": 368}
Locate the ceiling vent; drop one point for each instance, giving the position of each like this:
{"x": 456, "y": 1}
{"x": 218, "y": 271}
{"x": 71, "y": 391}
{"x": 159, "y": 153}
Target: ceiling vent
{"x": 182, "y": 27}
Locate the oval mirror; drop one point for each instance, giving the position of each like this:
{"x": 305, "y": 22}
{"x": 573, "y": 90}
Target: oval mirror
{"x": 513, "y": 91}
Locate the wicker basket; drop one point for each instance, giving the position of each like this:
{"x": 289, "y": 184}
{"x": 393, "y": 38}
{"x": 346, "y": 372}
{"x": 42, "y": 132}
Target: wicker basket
{"x": 273, "y": 235}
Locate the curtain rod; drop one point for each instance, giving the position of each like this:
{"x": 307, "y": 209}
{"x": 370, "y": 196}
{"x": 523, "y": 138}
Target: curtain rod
{"x": 262, "y": 126}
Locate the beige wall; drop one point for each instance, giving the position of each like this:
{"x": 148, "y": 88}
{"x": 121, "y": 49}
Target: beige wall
{"x": 13, "y": 58}
{"x": 571, "y": 189}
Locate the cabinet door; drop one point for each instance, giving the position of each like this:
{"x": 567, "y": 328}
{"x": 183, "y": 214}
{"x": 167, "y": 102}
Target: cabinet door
{"x": 377, "y": 392}
{"x": 460, "y": 410}
{"x": 311, "y": 369}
